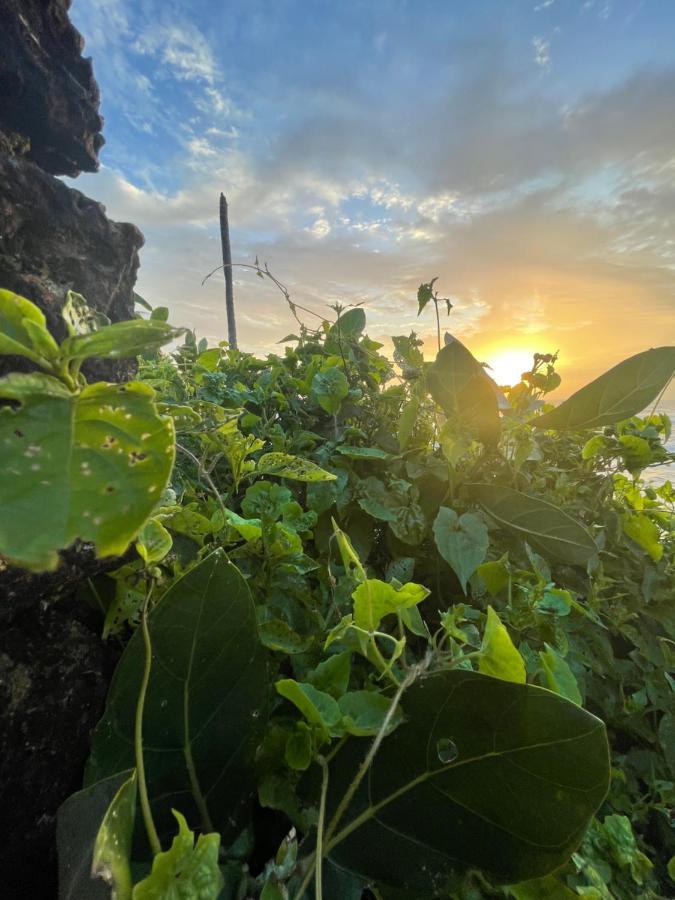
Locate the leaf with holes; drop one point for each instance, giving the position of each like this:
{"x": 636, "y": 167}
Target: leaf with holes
{"x": 206, "y": 704}
{"x": 93, "y": 463}
{"x": 483, "y": 774}
{"x": 543, "y": 525}
{"x": 618, "y": 394}
{"x": 293, "y": 467}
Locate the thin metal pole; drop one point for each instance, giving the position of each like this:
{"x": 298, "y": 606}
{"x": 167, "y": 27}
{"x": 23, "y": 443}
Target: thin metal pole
{"x": 227, "y": 270}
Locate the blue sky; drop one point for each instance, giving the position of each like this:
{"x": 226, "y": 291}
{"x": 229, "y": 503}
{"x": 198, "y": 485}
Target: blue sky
{"x": 521, "y": 150}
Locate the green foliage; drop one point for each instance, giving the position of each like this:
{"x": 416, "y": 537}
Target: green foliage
{"x": 540, "y": 523}
{"x": 94, "y": 459}
{"x": 430, "y": 596}
{"x": 186, "y": 870}
{"x": 436, "y": 796}
{"x": 462, "y": 541}
{"x": 199, "y": 738}
{"x": 617, "y": 395}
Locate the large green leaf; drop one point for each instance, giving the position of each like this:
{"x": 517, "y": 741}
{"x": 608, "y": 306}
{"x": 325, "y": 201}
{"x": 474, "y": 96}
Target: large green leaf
{"x": 77, "y": 826}
{"x": 484, "y": 774}
{"x": 89, "y": 465}
{"x": 348, "y": 327}
{"x": 460, "y": 386}
{"x": 543, "y": 525}
{"x": 620, "y": 393}
{"x": 462, "y": 541}
{"x": 206, "y": 702}
{"x": 123, "y": 339}
{"x": 329, "y": 389}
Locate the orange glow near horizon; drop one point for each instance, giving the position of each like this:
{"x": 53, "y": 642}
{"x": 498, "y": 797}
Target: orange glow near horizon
{"x": 506, "y": 366}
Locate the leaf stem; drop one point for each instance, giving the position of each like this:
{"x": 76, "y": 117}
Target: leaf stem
{"x": 153, "y": 837}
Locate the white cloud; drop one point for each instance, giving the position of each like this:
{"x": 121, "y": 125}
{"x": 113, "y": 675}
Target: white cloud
{"x": 320, "y": 229}
{"x": 542, "y": 52}
{"x": 182, "y": 48}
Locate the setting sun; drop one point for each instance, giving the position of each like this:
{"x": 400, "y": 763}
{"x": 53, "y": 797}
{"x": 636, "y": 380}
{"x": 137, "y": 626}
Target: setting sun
{"x": 506, "y": 366}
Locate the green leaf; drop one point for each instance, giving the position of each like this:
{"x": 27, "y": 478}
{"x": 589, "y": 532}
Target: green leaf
{"x": 550, "y": 530}
{"x": 316, "y": 706}
{"x": 153, "y": 542}
{"x": 206, "y": 703}
{"x": 640, "y": 528}
{"x": 275, "y": 634}
{"x": 348, "y": 327}
{"x": 495, "y": 575}
{"x": 94, "y": 464}
{"x": 329, "y": 389}
{"x": 332, "y": 675}
{"x": 299, "y": 748}
{"x": 374, "y": 599}
{"x": 498, "y": 656}
{"x": 77, "y": 825}
{"x": 462, "y": 541}
{"x": 483, "y": 774}
{"x": 425, "y": 293}
{"x": 362, "y": 452}
{"x": 186, "y": 870}
{"x": 558, "y": 675}
{"x": 112, "y": 850}
{"x": 620, "y": 393}
{"x": 120, "y": 340}
{"x": 365, "y": 711}
{"x": 284, "y": 465}
{"x": 407, "y": 421}
{"x": 460, "y": 386}
{"x": 395, "y": 503}
{"x": 23, "y": 330}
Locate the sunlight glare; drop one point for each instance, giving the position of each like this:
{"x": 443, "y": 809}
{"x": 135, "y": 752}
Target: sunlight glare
{"x": 506, "y": 366}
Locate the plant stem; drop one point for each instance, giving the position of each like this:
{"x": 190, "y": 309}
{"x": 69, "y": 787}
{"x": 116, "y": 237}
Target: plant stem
{"x": 153, "y": 837}
{"x": 438, "y": 324}
{"x": 318, "y": 887}
{"x": 370, "y": 756}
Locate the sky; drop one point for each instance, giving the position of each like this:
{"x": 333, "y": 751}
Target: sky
{"x": 522, "y": 151}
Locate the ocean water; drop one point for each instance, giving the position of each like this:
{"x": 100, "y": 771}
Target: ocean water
{"x": 658, "y": 474}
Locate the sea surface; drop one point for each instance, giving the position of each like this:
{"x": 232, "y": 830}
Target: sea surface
{"x": 658, "y": 474}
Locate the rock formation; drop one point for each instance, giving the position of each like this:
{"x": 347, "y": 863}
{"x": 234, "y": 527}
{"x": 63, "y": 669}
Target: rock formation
{"x": 53, "y": 666}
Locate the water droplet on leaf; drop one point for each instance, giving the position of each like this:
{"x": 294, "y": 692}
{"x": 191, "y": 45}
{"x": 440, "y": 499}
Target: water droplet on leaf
{"x": 447, "y": 750}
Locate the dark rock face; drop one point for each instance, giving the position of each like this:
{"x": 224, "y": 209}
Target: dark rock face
{"x": 54, "y": 239}
{"x": 54, "y": 674}
{"x": 49, "y": 95}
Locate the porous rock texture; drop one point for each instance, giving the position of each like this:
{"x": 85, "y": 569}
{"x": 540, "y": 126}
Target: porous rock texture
{"x": 54, "y": 668}
{"x": 54, "y": 239}
{"x": 49, "y": 96}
